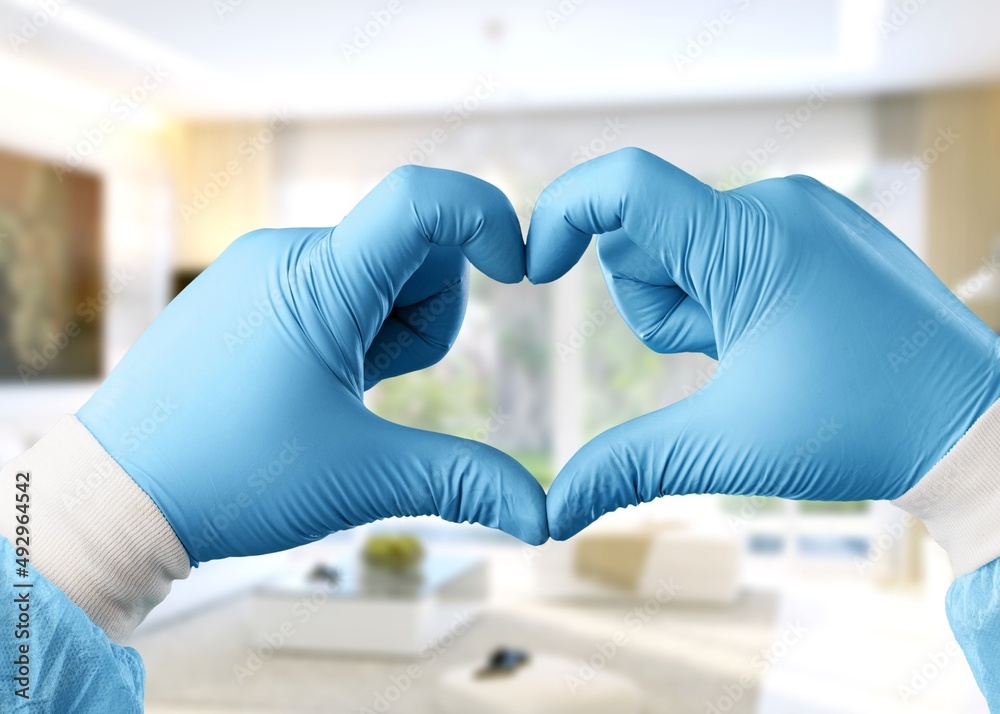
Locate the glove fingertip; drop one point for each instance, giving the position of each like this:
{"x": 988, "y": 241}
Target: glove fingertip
{"x": 497, "y": 248}
{"x": 530, "y": 532}
{"x": 526, "y": 505}
{"x": 564, "y": 520}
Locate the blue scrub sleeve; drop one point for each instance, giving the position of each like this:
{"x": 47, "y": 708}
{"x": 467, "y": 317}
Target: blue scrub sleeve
{"x": 65, "y": 663}
{"x": 973, "y": 606}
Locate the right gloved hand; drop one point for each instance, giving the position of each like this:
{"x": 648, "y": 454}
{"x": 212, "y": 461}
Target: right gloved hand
{"x": 847, "y": 370}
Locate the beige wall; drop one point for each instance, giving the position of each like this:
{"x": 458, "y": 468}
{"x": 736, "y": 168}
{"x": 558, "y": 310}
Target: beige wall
{"x": 949, "y": 211}
{"x": 963, "y": 191}
{"x": 340, "y": 161}
{"x": 223, "y": 181}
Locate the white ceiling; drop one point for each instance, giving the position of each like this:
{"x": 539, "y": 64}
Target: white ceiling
{"x": 263, "y": 54}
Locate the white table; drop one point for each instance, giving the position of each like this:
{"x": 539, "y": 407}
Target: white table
{"x": 355, "y": 616}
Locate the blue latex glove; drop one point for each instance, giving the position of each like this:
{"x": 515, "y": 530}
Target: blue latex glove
{"x": 71, "y": 665}
{"x": 846, "y": 368}
{"x": 239, "y": 412}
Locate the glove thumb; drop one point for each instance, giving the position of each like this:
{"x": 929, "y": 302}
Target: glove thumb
{"x": 460, "y": 480}
{"x": 669, "y": 451}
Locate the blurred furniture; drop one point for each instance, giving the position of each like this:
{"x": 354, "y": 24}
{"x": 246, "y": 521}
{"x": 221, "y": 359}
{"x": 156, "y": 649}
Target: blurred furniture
{"x": 681, "y": 657}
{"x": 544, "y": 684}
{"x": 667, "y": 560}
{"x": 356, "y": 609}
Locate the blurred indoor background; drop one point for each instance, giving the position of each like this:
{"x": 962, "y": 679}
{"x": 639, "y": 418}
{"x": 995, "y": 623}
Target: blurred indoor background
{"x": 138, "y": 139}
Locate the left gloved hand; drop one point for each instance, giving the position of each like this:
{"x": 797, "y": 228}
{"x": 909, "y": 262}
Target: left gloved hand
{"x": 240, "y": 412}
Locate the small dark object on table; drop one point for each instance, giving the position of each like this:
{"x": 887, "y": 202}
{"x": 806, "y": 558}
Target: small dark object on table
{"x": 503, "y": 663}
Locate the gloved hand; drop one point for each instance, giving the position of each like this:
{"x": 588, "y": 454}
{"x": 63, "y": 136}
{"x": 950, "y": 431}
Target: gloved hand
{"x": 846, "y": 368}
{"x": 240, "y": 413}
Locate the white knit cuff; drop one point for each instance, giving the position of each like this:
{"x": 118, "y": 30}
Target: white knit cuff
{"x": 959, "y": 499}
{"x": 94, "y": 533}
